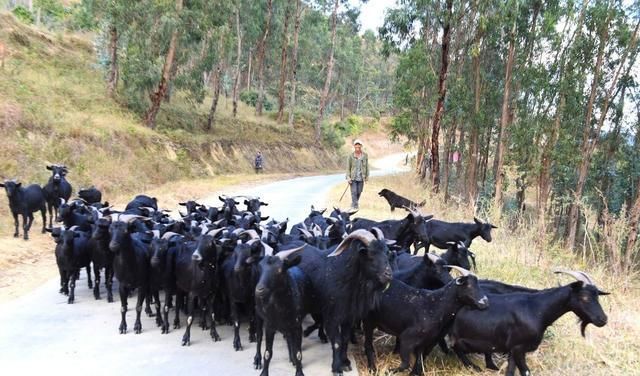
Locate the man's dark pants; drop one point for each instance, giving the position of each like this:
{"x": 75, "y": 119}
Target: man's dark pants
{"x": 356, "y": 191}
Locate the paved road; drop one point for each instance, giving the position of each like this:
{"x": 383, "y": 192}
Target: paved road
{"x": 41, "y": 333}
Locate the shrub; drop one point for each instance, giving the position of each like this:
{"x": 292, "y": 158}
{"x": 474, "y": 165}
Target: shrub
{"x": 250, "y": 97}
{"x": 23, "y": 14}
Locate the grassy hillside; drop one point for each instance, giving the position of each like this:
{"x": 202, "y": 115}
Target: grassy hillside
{"x": 511, "y": 257}
{"x": 53, "y": 109}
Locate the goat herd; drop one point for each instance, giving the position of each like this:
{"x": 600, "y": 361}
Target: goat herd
{"x": 349, "y": 275}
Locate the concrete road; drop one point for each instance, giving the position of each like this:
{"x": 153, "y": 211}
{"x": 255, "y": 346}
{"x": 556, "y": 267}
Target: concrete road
{"x": 41, "y": 334}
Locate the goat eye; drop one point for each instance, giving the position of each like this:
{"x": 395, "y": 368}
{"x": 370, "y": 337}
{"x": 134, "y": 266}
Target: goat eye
{"x": 585, "y": 298}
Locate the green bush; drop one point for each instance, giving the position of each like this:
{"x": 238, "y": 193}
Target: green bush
{"x": 250, "y": 97}
{"x": 331, "y": 136}
{"x": 23, "y": 14}
{"x": 354, "y": 125}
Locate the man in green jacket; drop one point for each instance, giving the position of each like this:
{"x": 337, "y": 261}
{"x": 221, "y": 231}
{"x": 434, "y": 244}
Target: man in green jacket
{"x": 357, "y": 172}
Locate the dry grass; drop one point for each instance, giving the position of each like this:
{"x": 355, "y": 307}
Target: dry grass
{"x": 511, "y": 257}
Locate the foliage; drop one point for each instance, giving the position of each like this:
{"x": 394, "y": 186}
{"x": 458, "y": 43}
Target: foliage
{"x": 23, "y": 14}
{"x": 250, "y": 97}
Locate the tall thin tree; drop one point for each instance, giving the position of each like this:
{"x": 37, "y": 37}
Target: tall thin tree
{"x": 327, "y": 82}
{"x": 261, "y": 54}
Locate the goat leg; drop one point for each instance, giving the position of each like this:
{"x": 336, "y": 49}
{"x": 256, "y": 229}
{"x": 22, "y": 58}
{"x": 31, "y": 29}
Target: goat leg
{"x": 176, "y": 319}
{"x": 346, "y": 333}
{"x": 268, "y": 353}
{"x": 368, "y": 345}
{"x": 142, "y": 293}
{"x": 96, "y": 285}
{"x": 16, "y": 221}
{"x": 237, "y": 344}
{"x": 89, "y": 282}
{"x": 186, "y": 338}
{"x": 521, "y": 362}
{"x": 465, "y": 360}
{"x": 147, "y": 308}
{"x": 44, "y": 220}
{"x": 159, "y": 321}
{"x": 124, "y": 295}
{"x": 257, "y": 359}
{"x": 296, "y": 341}
{"x": 511, "y": 365}
{"x": 165, "y": 308}
{"x": 72, "y": 286}
{"x": 108, "y": 280}
{"x": 488, "y": 361}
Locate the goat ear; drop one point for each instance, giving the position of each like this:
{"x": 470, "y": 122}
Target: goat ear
{"x": 19, "y": 184}
{"x": 264, "y": 203}
{"x": 49, "y": 168}
{"x": 476, "y": 220}
{"x": 461, "y": 280}
{"x": 603, "y": 292}
{"x": 246, "y": 202}
{"x": 182, "y": 203}
{"x": 48, "y": 229}
{"x": 494, "y": 226}
{"x": 1, "y": 185}
{"x": 264, "y": 218}
{"x": 221, "y": 199}
{"x": 292, "y": 261}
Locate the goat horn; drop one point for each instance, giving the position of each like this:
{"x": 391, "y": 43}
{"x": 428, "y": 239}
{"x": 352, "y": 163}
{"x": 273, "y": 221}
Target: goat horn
{"x": 332, "y": 219}
{"x": 214, "y": 232}
{"x": 252, "y": 233}
{"x": 580, "y": 276}
{"x": 378, "y": 233}
{"x": 363, "y": 235}
{"x": 237, "y": 231}
{"x": 168, "y": 235}
{"x": 433, "y": 257}
{"x": 306, "y": 233}
{"x": 461, "y": 244}
{"x": 268, "y": 251}
{"x": 129, "y": 217}
{"x": 316, "y": 230}
{"x": 156, "y": 234}
{"x": 150, "y": 209}
{"x": 462, "y": 271}
{"x": 284, "y": 254}
{"x": 327, "y": 230}
{"x": 415, "y": 213}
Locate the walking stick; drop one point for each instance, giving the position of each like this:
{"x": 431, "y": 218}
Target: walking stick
{"x": 345, "y": 191}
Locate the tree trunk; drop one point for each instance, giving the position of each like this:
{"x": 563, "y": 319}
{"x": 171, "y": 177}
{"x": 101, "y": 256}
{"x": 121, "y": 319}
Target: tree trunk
{"x": 327, "y": 83}
{"x": 216, "y": 94}
{"x": 589, "y": 146}
{"x": 236, "y": 83}
{"x": 294, "y": 62}
{"x": 442, "y": 92}
{"x": 112, "y": 76}
{"x": 261, "y": 51}
{"x": 449, "y": 140}
{"x": 250, "y": 59}
{"x": 484, "y": 162}
{"x": 471, "y": 186}
{"x": 158, "y": 95}
{"x": 283, "y": 63}
{"x": 504, "y": 122}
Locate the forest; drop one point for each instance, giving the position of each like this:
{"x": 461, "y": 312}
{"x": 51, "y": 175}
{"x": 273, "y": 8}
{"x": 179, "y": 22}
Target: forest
{"x": 525, "y": 109}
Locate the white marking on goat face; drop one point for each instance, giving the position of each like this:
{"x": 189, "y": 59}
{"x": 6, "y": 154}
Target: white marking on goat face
{"x": 483, "y": 300}
{"x": 189, "y": 320}
{"x": 267, "y": 354}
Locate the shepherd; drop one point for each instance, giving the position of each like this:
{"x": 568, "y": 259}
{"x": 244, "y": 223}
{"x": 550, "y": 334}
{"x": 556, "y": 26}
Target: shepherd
{"x": 357, "y": 172}
{"x": 258, "y": 162}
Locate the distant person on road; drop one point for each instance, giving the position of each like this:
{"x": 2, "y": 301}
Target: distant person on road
{"x": 258, "y": 164}
{"x": 357, "y": 172}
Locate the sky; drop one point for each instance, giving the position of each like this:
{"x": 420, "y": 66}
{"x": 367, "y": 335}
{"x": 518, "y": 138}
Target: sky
{"x": 372, "y": 13}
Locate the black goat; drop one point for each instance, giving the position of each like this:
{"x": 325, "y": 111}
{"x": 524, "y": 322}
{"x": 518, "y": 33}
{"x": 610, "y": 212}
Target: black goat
{"x": 141, "y": 201}
{"x": 91, "y": 195}
{"x": 280, "y": 304}
{"x": 430, "y": 273}
{"x": 131, "y": 265}
{"x": 397, "y": 201}
{"x": 197, "y": 276}
{"x": 57, "y": 188}
{"x": 515, "y": 323}
{"x": 345, "y": 286}
{"x": 458, "y": 254}
{"x": 441, "y": 233}
{"x": 72, "y": 254}
{"x": 420, "y": 325}
{"x": 254, "y": 204}
{"x": 25, "y": 201}
{"x": 101, "y": 256}
{"x": 241, "y": 273}
{"x": 405, "y": 231}
{"x": 74, "y": 213}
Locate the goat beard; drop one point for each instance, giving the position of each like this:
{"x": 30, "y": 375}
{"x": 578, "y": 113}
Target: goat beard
{"x": 583, "y": 327}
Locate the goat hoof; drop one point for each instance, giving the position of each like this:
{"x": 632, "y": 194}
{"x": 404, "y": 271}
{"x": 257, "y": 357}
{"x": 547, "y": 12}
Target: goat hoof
{"x": 70, "y": 301}
{"x": 110, "y": 298}
{"x": 215, "y": 336}
{"x": 398, "y": 369}
{"x": 346, "y": 368}
{"x": 137, "y": 328}
{"x": 16, "y": 235}
{"x": 491, "y": 367}
{"x": 159, "y": 321}
{"x": 123, "y": 329}
{"x": 257, "y": 362}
